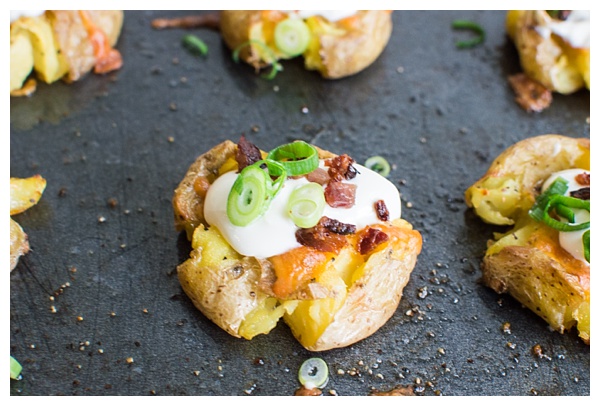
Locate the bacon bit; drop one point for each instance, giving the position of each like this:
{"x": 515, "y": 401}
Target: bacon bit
{"x": 583, "y": 193}
{"x": 319, "y": 176}
{"x": 210, "y": 20}
{"x": 341, "y": 168}
{"x": 107, "y": 58}
{"x": 530, "y": 95}
{"x": 371, "y": 238}
{"x": 327, "y": 236}
{"x": 247, "y": 153}
{"x": 397, "y": 391}
{"x": 302, "y": 391}
{"x": 382, "y": 211}
{"x": 338, "y": 194}
{"x": 583, "y": 179}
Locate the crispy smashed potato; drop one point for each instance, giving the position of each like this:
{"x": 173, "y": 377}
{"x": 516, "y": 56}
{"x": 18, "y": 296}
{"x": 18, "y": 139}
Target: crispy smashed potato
{"x": 63, "y": 44}
{"x": 24, "y": 193}
{"x": 336, "y": 49}
{"x": 546, "y": 57}
{"x": 351, "y": 296}
{"x": 528, "y": 261}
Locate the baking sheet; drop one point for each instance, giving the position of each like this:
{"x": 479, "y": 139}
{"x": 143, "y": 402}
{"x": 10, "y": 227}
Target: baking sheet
{"x": 114, "y": 147}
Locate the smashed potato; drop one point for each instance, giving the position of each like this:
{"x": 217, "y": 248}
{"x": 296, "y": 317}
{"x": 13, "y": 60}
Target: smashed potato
{"x": 329, "y": 299}
{"x": 529, "y": 261}
{"x": 333, "y": 48}
{"x": 24, "y": 193}
{"x": 63, "y": 44}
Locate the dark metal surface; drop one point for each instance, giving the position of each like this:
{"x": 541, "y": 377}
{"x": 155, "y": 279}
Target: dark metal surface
{"x": 438, "y": 114}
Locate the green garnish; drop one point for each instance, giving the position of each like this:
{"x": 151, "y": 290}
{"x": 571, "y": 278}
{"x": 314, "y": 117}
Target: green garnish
{"x": 469, "y": 25}
{"x": 378, "y": 164}
{"x": 558, "y": 187}
{"x": 313, "y": 373}
{"x": 194, "y": 44}
{"x": 569, "y": 202}
{"x": 586, "y": 245}
{"x": 15, "y": 368}
{"x": 298, "y": 158}
{"x": 275, "y": 65}
{"x": 306, "y": 205}
{"x": 292, "y": 36}
{"x": 553, "y": 13}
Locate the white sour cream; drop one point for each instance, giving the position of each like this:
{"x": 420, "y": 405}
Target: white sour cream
{"x": 274, "y": 232}
{"x": 572, "y": 241}
{"x": 331, "y": 15}
{"x": 575, "y": 29}
{"x": 16, "y": 14}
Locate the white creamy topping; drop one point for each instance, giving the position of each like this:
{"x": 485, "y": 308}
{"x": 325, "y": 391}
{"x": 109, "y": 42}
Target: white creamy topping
{"x": 16, "y": 14}
{"x": 575, "y": 29}
{"x": 331, "y": 15}
{"x": 274, "y": 232}
{"x": 572, "y": 241}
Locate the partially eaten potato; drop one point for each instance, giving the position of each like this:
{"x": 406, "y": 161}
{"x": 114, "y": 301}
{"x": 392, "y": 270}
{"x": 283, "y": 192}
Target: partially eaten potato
{"x": 24, "y": 193}
{"x": 553, "y": 47}
{"x": 331, "y": 296}
{"x": 63, "y": 44}
{"x": 531, "y": 261}
{"x": 334, "y": 47}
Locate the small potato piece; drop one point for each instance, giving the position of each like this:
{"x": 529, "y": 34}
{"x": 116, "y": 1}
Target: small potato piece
{"x": 25, "y": 192}
{"x": 528, "y": 261}
{"x": 21, "y": 58}
{"x": 19, "y": 245}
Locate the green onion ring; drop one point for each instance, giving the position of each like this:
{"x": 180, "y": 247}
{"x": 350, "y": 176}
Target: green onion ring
{"x": 15, "y": 368}
{"x": 275, "y": 65}
{"x": 586, "y": 245}
{"x": 298, "y": 158}
{"x": 558, "y": 187}
{"x": 378, "y": 164}
{"x": 306, "y": 205}
{"x": 276, "y": 170}
{"x": 469, "y": 25}
{"x": 194, "y": 44}
{"x": 248, "y": 198}
{"x": 313, "y": 373}
{"x": 565, "y": 212}
{"x": 570, "y": 202}
{"x": 292, "y": 36}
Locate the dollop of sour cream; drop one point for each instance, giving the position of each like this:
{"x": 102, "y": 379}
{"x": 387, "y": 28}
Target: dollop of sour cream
{"x": 16, "y": 14}
{"x": 331, "y": 15}
{"x": 274, "y": 232}
{"x": 575, "y": 29}
{"x": 572, "y": 241}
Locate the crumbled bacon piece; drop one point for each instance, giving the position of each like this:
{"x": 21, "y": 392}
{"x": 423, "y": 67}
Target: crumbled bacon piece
{"x": 583, "y": 193}
{"x": 308, "y": 392}
{"x": 327, "y": 236}
{"x": 530, "y": 95}
{"x": 247, "y": 153}
{"x": 341, "y": 168}
{"x": 339, "y": 194}
{"x": 370, "y": 239}
{"x": 319, "y": 176}
{"x": 382, "y": 211}
{"x": 583, "y": 179}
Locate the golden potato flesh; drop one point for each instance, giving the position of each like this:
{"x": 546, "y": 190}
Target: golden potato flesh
{"x": 351, "y": 297}
{"x": 336, "y": 49}
{"x": 550, "y": 60}
{"x": 528, "y": 261}
{"x": 18, "y": 243}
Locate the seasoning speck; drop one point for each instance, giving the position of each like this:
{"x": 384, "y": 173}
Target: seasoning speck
{"x": 129, "y": 360}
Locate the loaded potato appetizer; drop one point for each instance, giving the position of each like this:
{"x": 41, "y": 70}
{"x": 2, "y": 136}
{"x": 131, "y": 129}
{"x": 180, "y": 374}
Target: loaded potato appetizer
{"x": 336, "y": 43}
{"x": 61, "y": 44}
{"x": 541, "y": 188}
{"x": 297, "y": 233}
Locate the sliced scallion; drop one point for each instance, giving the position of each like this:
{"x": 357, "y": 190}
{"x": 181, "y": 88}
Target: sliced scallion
{"x": 378, "y": 164}
{"x": 558, "y": 187}
{"x": 569, "y": 202}
{"x": 298, "y": 158}
{"x": 292, "y": 36}
{"x": 306, "y": 205}
{"x": 15, "y": 368}
{"x": 313, "y": 373}
{"x": 247, "y": 199}
{"x": 275, "y": 65}
{"x": 586, "y": 245}
{"x": 194, "y": 44}
{"x": 469, "y": 25}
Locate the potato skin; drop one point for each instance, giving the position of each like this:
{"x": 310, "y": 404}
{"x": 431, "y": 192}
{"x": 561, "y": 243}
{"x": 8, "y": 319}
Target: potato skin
{"x": 228, "y": 290}
{"x": 527, "y": 261}
{"x": 337, "y": 51}
{"x": 551, "y": 61}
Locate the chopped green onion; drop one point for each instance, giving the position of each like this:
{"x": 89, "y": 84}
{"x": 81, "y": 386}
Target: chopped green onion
{"x": 553, "y": 13}
{"x": 275, "y": 66}
{"x": 298, "y": 158}
{"x": 378, "y": 164}
{"x": 306, "y": 205}
{"x": 194, "y": 44}
{"x": 570, "y": 202}
{"x": 313, "y": 373}
{"x": 586, "y": 245}
{"x": 292, "y": 36}
{"x": 15, "y": 368}
{"x": 565, "y": 212}
{"x": 558, "y": 187}
{"x": 469, "y": 25}
{"x": 276, "y": 170}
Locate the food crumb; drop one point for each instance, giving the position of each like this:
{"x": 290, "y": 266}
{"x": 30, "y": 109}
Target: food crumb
{"x": 442, "y": 351}
{"x": 129, "y": 360}
{"x": 400, "y": 69}
{"x": 304, "y": 110}
{"x": 340, "y": 372}
{"x": 100, "y": 351}
{"x": 171, "y": 139}
{"x": 145, "y": 311}
{"x": 409, "y": 205}
{"x": 101, "y": 219}
{"x": 506, "y": 328}
{"x": 173, "y": 106}
{"x": 197, "y": 373}
{"x": 52, "y": 309}
{"x": 333, "y": 392}
{"x": 79, "y": 318}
